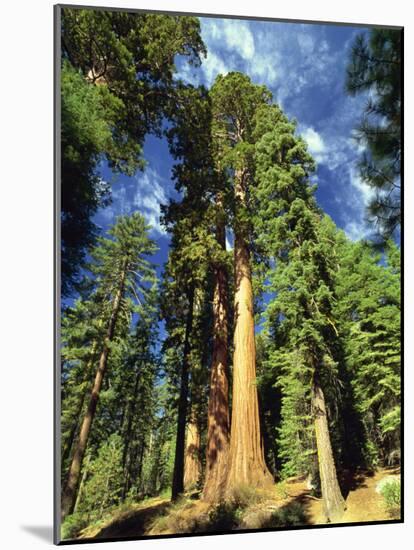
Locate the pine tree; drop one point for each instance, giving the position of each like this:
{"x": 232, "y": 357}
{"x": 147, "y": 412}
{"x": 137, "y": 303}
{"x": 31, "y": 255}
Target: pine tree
{"x": 81, "y": 336}
{"x": 120, "y": 268}
{"x": 298, "y": 241}
{"x": 183, "y": 278}
{"x": 369, "y": 310}
{"x": 375, "y": 66}
{"x": 117, "y": 85}
{"x": 102, "y": 489}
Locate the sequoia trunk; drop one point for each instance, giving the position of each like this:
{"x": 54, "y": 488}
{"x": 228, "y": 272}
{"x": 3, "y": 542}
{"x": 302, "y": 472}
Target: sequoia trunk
{"x": 334, "y": 504}
{"x": 218, "y": 422}
{"x": 192, "y": 467}
{"x": 247, "y": 464}
{"x": 70, "y": 491}
{"x": 178, "y": 474}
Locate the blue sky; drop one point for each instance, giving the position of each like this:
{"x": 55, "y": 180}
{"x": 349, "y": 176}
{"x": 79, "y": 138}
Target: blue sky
{"x": 304, "y": 67}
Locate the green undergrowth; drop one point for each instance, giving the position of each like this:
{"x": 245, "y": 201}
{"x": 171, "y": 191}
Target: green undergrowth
{"x": 246, "y": 508}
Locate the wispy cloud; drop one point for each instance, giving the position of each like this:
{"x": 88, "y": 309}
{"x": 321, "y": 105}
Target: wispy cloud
{"x": 213, "y": 66}
{"x": 143, "y": 193}
{"x": 316, "y": 144}
{"x": 304, "y": 67}
{"x": 232, "y": 34}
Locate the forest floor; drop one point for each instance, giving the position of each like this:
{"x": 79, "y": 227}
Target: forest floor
{"x": 288, "y": 504}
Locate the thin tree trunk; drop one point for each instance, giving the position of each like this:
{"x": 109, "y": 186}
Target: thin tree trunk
{"x": 218, "y": 422}
{"x": 81, "y": 484}
{"x": 127, "y": 437}
{"x": 334, "y": 503}
{"x": 192, "y": 466}
{"x": 69, "y": 493}
{"x": 247, "y": 464}
{"x": 70, "y": 439}
{"x": 178, "y": 474}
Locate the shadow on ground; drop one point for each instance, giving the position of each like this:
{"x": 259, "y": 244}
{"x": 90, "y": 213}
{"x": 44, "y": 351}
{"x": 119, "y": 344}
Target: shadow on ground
{"x": 134, "y": 525}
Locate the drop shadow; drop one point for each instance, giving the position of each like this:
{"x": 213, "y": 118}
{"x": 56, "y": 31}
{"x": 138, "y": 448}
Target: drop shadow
{"x": 42, "y": 532}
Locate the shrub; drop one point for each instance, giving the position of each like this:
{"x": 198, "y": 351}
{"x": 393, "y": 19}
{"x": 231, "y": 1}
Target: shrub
{"x": 73, "y": 524}
{"x": 223, "y": 517}
{"x": 243, "y": 496}
{"x": 391, "y": 493}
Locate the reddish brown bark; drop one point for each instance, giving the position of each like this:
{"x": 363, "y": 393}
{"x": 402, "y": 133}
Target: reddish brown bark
{"x": 70, "y": 491}
{"x": 333, "y": 501}
{"x": 192, "y": 466}
{"x": 218, "y": 423}
{"x": 247, "y": 464}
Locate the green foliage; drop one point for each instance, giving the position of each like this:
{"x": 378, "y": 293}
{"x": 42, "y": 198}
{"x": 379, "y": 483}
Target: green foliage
{"x": 116, "y": 87}
{"x": 224, "y": 516}
{"x": 288, "y": 516}
{"x": 295, "y": 241}
{"x": 73, "y": 525}
{"x": 103, "y": 486}
{"x": 331, "y": 309}
{"x": 369, "y": 308}
{"x": 391, "y": 492}
{"x": 375, "y": 67}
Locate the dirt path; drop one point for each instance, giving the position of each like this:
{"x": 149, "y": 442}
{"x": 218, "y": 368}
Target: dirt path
{"x": 362, "y": 501}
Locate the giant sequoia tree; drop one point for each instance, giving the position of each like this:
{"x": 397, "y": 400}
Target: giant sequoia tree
{"x": 122, "y": 271}
{"x": 199, "y": 175}
{"x": 179, "y": 386}
{"x": 234, "y": 102}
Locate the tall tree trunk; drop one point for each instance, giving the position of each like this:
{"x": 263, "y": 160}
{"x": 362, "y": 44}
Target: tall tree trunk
{"x": 129, "y": 416}
{"x": 334, "y": 504}
{"x": 247, "y": 464}
{"x": 69, "y": 493}
{"x": 192, "y": 465}
{"x": 178, "y": 474}
{"x": 218, "y": 422}
{"x": 67, "y": 447}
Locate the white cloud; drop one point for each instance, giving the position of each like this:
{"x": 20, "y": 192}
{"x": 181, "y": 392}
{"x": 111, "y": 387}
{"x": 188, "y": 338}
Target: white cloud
{"x": 148, "y": 197}
{"x": 306, "y": 43}
{"x": 357, "y": 195}
{"x": 315, "y": 143}
{"x": 363, "y": 191}
{"x": 234, "y": 34}
{"x": 239, "y": 37}
{"x": 143, "y": 193}
{"x": 229, "y": 239}
{"x": 356, "y": 230}
{"x": 212, "y": 66}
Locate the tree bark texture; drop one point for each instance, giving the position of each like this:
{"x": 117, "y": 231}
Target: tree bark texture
{"x": 334, "y": 503}
{"x": 70, "y": 491}
{"x": 178, "y": 473}
{"x": 192, "y": 466}
{"x": 218, "y": 422}
{"x": 247, "y": 464}
{"x": 67, "y": 447}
